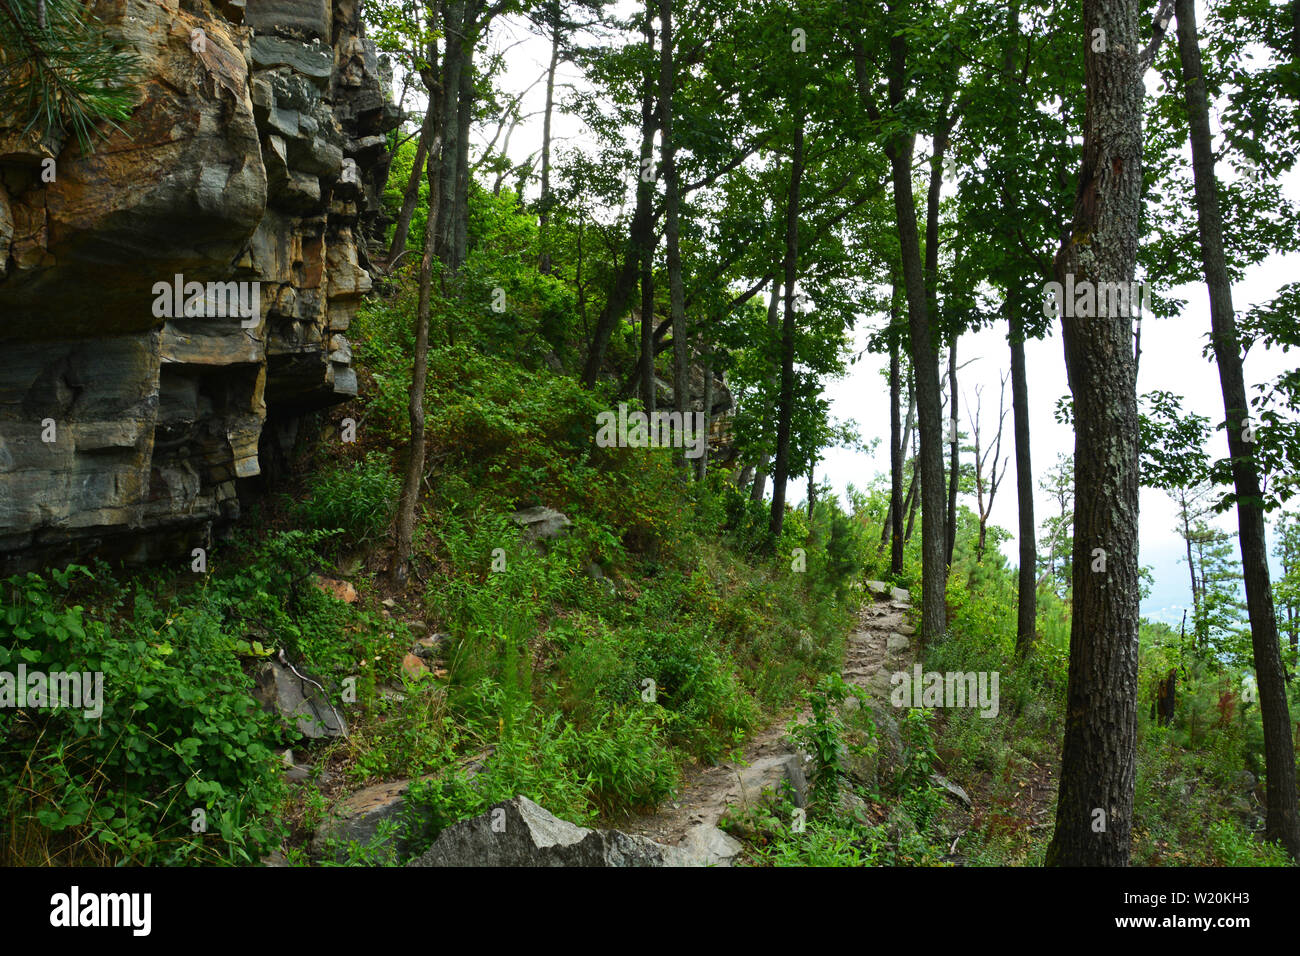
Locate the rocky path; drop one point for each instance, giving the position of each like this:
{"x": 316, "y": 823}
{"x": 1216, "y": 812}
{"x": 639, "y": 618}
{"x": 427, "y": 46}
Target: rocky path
{"x": 880, "y": 646}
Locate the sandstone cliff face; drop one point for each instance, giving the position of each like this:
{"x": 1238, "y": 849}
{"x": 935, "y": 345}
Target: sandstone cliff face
{"x": 255, "y": 155}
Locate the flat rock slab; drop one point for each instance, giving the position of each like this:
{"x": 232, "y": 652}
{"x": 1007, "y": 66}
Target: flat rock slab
{"x": 518, "y": 832}
{"x": 878, "y": 588}
{"x": 897, "y": 643}
{"x": 901, "y": 594}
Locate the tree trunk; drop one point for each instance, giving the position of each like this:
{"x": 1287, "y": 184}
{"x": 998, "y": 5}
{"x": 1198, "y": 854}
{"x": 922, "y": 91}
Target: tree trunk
{"x": 1027, "y": 582}
{"x": 544, "y": 205}
{"x": 414, "y": 476}
{"x": 411, "y": 196}
{"x": 954, "y": 454}
{"x": 1099, "y": 752}
{"x": 925, "y": 367}
{"x": 453, "y": 63}
{"x": 625, "y": 279}
{"x": 1282, "y": 822}
{"x": 894, "y": 518}
{"x": 785, "y": 410}
{"x": 702, "y": 466}
{"x": 672, "y": 219}
{"x": 912, "y": 498}
{"x": 645, "y": 195}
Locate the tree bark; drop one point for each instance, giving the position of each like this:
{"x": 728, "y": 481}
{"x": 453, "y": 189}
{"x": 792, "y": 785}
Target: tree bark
{"x": 785, "y": 408}
{"x": 414, "y": 475}
{"x": 1099, "y": 752}
{"x": 1027, "y": 578}
{"x": 954, "y": 455}
{"x": 645, "y": 194}
{"x": 672, "y": 220}
{"x": 411, "y": 196}
{"x": 894, "y": 519}
{"x": 1282, "y": 822}
{"x": 544, "y": 204}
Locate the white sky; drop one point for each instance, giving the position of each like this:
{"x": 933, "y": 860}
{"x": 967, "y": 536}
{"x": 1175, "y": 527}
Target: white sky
{"x": 1171, "y": 358}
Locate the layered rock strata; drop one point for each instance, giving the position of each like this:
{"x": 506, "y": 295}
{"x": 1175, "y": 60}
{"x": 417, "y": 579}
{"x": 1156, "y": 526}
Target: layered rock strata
{"x": 134, "y": 404}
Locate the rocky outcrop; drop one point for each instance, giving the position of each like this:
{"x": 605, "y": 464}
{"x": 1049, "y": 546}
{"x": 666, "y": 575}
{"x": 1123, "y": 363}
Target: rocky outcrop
{"x": 518, "y": 832}
{"x": 134, "y": 405}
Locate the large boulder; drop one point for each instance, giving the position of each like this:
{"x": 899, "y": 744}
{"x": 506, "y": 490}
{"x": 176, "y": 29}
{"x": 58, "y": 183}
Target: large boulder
{"x": 128, "y": 428}
{"x": 518, "y": 832}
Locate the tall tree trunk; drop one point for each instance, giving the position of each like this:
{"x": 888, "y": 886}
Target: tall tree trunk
{"x": 954, "y": 453}
{"x": 544, "y": 210}
{"x": 414, "y": 475}
{"x": 894, "y": 517}
{"x": 1099, "y": 752}
{"x": 913, "y": 497}
{"x": 464, "y": 118}
{"x": 453, "y": 63}
{"x": 645, "y": 194}
{"x": 702, "y": 466}
{"x": 773, "y": 331}
{"x": 640, "y": 237}
{"x": 411, "y": 196}
{"x": 1282, "y": 822}
{"x": 925, "y": 369}
{"x": 672, "y": 219}
{"x": 1027, "y": 580}
{"x": 812, "y": 491}
{"x": 785, "y": 410}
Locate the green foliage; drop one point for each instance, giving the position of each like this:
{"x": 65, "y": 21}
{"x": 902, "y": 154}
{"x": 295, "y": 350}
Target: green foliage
{"x": 356, "y": 498}
{"x": 178, "y": 732}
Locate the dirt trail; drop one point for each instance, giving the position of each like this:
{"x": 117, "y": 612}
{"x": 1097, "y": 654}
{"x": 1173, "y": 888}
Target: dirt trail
{"x": 880, "y": 646}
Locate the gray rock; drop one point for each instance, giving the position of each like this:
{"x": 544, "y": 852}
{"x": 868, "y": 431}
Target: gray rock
{"x": 953, "y": 790}
{"x": 710, "y": 846}
{"x": 357, "y": 820}
{"x": 541, "y": 523}
{"x": 774, "y": 774}
{"x": 313, "y": 60}
{"x": 897, "y": 643}
{"x": 518, "y": 832}
{"x": 878, "y": 588}
{"x": 901, "y": 594}
{"x": 298, "y": 702}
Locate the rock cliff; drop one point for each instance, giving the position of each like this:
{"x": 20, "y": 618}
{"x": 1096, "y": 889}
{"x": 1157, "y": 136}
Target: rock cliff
{"x": 133, "y": 403}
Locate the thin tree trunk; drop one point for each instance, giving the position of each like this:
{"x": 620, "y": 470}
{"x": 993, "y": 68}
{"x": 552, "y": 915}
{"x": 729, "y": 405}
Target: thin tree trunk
{"x": 894, "y": 516}
{"x": 1282, "y": 822}
{"x": 912, "y": 498}
{"x": 702, "y": 467}
{"x": 785, "y": 411}
{"x": 672, "y": 219}
{"x": 1027, "y": 579}
{"x": 1094, "y": 809}
{"x": 544, "y": 213}
{"x": 453, "y": 63}
{"x": 954, "y": 454}
{"x": 410, "y": 197}
{"x": 413, "y": 478}
{"x": 645, "y": 193}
